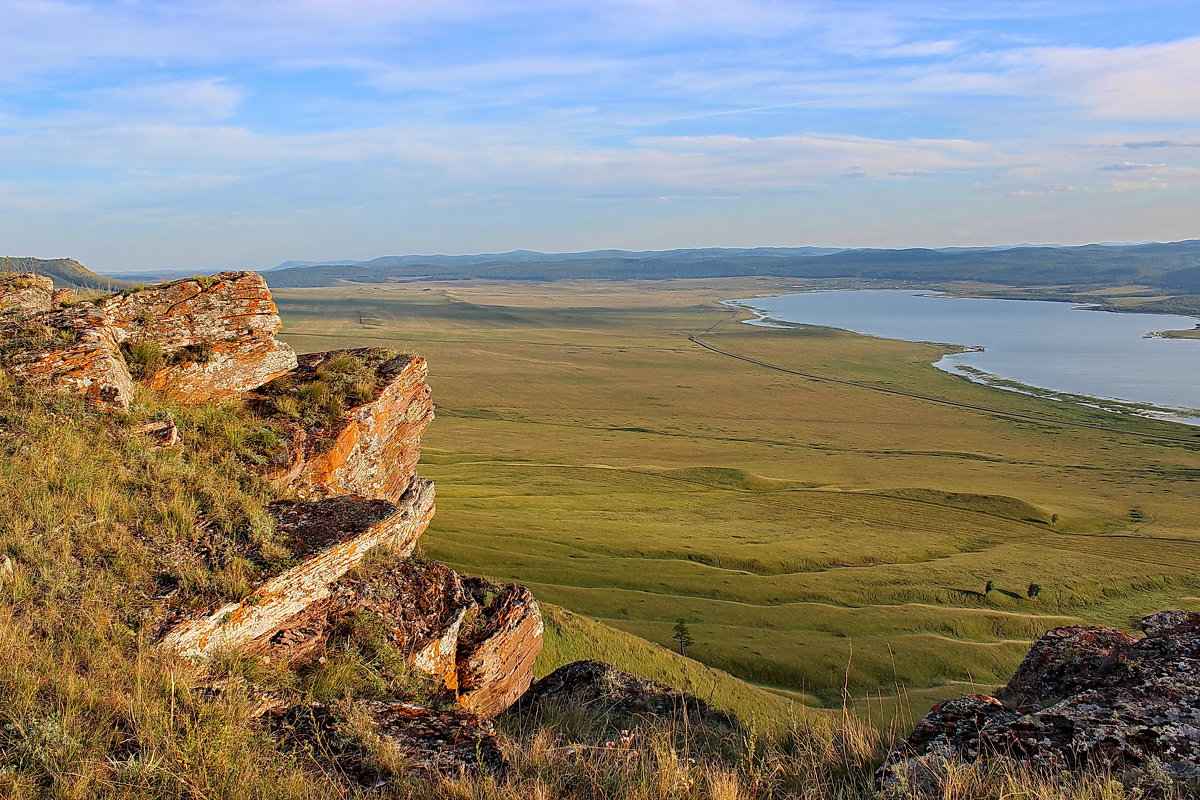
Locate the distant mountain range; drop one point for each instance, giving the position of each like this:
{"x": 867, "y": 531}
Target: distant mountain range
{"x": 1172, "y": 266}
{"x": 1150, "y": 263}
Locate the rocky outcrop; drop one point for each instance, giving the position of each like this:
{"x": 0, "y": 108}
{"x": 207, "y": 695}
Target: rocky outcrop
{"x": 423, "y": 605}
{"x": 614, "y": 693}
{"x": 477, "y": 643}
{"x": 26, "y": 292}
{"x": 204, "y": 337}
{"x": 497, "y": 651}
{"x": 360, "y": 415}
{"x": 374, "y": 742}
{"x": 331, "y": 536}
{"x": 1084, "y": 697}
{"x": 75, "y": 350}
{"x": 199, "y": 339}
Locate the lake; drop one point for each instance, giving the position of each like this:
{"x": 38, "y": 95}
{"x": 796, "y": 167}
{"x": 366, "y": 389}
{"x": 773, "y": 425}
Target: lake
{"x": 1056, "y": 346}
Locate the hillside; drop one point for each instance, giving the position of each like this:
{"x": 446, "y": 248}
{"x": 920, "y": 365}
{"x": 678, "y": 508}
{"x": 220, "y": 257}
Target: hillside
{"x": 67, "y": 273}
{"x": 188, "y": 571}
{"x": 816, "y": 537}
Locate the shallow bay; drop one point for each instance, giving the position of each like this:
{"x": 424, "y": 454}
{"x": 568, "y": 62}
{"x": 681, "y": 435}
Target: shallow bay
{"x": 1056, "y": 346}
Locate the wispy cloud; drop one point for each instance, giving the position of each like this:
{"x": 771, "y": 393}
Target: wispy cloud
{"x": 286, "y": 110}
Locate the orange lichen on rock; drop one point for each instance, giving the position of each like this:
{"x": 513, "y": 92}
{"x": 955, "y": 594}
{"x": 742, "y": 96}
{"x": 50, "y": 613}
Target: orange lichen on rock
{"x": 223, "y": 369}
{"x": 216, "y": 336}
{"x": 495, "y": 657}
{"x": 74, "y": 351}
{"x": 372, "y": 446}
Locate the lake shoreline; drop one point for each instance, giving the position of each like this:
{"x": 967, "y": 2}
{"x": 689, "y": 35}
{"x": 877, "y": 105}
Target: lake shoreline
{"x": 1016, "y": 380}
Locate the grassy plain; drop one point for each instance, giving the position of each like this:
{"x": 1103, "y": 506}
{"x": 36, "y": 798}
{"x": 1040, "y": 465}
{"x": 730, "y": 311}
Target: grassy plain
{"x": 819, "y": 539}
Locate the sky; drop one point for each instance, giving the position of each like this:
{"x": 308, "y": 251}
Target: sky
{"x": 209, "y": 135}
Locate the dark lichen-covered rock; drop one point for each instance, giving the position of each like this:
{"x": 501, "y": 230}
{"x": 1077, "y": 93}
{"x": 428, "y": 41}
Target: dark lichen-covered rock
{"x": 1098, "y": 699}
{"x": 373, "y": 742}
{"x": 1068, "y": 660}
{"x": 612, "y": 692}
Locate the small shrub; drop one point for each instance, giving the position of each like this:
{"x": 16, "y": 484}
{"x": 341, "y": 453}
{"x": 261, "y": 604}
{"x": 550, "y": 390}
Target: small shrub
{"x": 143, "y": 358}
{"x": 198, "y": 353}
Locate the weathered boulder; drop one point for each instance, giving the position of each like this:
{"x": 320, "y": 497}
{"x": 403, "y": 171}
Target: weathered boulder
{"x": 615, "y": 693}
{"x": 1066, "y": 661}
{"x": 221, "y": 369}
{"x": 422, "y": 603}
{"x": 330, "y": 537}
{"x": 374, "y": 741}
{"x": 226, "y": 306}
{"x": 203, "y": 338}
{"x": 497, "y": 649}
{"x": 74, "y": 351}
{"x": 26, "y": 292}
{"x": 1098, "y": 699}
{"x": 363, "y": 412}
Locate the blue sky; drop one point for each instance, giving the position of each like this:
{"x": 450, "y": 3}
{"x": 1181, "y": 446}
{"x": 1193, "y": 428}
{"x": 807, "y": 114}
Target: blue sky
{"x": 137, "y": 134}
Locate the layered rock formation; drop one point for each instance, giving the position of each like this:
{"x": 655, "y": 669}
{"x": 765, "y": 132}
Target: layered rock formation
{"x": 333, "y": 535}
{"x": 370, "y": 444}
{"x": 478, "y": 640}
{"x": 1083, "y": 697}
{"x": 73, "y": 350}
{"x": 351, "y": 421}
{"x": 198, "y": 339}
{"x": 209, "y": 337}
{"x": 497, "y": 651}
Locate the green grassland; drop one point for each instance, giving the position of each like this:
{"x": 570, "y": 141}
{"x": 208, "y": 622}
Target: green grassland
{"x": 818, "y": 538}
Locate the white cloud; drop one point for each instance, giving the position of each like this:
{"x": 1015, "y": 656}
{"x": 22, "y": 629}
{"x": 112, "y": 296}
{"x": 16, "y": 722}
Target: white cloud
{"x": 212, "y": 98}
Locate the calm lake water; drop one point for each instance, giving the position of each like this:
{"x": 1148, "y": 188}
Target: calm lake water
{"x": 1056, "y": 346}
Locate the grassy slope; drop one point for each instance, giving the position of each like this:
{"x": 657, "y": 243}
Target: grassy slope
{"x": 66, "y": 272}
{"x": 585, "y": 447}
{"x": 571, "y": 637}
{"x": 105, "y": 534}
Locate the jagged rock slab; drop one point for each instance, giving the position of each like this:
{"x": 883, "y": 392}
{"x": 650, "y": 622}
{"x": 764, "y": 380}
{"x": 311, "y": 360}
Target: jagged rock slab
{"x": 227, "y": 306}
{"x": 216, "y": 335}
{"x": 26, "y": 292}
{"x": 416, "y": 740}
{"x": 372, "y": 448}
{"x": 613, "y": 692}
{"x": 223, "y": 370}
{"x": 72, "y": 351}
{"x": 1098, "y": 698}
{"x": 423, "y": 603}
{"x": 497, "y": 650}
{"x": 331, "y": 536}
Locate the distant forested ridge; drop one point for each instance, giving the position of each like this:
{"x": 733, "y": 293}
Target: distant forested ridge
{"x": 1174, "y": 266}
